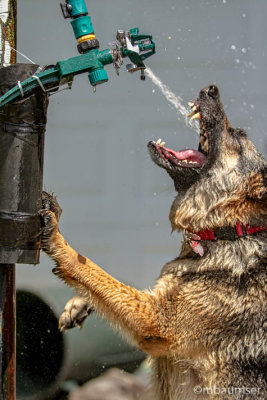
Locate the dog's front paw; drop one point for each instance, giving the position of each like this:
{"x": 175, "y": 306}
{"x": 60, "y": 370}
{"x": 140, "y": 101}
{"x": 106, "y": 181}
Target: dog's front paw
{"x": 50, "y": 215}
{"x": 50, "y": 203}
{"x": 75, "y": 312}
{"x": 49, "y": 228}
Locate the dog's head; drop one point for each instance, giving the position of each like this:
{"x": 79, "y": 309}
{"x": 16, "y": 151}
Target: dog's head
{"x": 224, "y": 176}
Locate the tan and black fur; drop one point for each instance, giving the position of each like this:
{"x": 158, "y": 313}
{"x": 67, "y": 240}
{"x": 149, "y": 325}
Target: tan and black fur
{"x": 204, "y": 324}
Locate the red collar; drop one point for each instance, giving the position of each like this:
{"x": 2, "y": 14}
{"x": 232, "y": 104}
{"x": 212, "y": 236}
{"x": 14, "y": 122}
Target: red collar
{"x": 229, "y": 232}
{"x": 226, "y": 233}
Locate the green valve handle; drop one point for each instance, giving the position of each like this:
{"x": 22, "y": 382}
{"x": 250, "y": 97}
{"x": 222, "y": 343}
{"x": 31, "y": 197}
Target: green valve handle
{"x": 138, "y": 47}
{"x": 98, "y": 76}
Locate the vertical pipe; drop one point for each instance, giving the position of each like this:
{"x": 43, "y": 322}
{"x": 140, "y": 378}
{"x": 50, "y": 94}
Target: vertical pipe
{"x": 8, "y": 37}
{"x": 7, "y": 332}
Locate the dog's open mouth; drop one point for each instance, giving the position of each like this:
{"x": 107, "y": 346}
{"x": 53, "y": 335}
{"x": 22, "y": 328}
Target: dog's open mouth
{"x": 188, "y": 158}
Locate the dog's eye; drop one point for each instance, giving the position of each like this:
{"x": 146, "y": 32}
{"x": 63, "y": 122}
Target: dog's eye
{"x": 213, "y": 91}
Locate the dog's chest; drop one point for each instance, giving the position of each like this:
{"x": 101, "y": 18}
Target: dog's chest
{"x": 175, "y": 380}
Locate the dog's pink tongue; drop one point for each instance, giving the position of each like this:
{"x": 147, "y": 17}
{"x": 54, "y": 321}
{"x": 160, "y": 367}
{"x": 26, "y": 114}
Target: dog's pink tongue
{"x": 189, "y": 155}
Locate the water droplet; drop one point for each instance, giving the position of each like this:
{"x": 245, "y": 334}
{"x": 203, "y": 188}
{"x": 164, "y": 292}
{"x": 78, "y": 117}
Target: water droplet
{"x": 244, "y": 15}
{"x": 218, "y": 37}
{"x": 153, "y": 90}
{"x": 233, "y": 47}
{"x": 169, "y": 37}
{"x": 237, "y": 60}
{"x": 244, "y": 50}
{"x": 252, "y": 106}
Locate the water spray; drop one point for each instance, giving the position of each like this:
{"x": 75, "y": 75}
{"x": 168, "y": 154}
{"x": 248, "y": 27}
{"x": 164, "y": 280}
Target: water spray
{"x": 172, "y": 98}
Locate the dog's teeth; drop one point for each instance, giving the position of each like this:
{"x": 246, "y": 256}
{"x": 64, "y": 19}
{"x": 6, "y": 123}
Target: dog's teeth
{"x": 190, "y": 114}
{"x": 160, "y": 143}
{"x": 196, "y": 116}
{"x": 184, "y": 161}
{"x": 193, "y": 113}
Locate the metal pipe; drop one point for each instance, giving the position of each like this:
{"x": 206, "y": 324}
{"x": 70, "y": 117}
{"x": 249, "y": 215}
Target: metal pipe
{"x": 8, "y": 39}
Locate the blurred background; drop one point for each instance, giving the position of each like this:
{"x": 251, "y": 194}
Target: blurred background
{"x": 115, "y": 200}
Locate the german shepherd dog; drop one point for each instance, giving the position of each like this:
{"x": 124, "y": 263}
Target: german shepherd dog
{"x": 204, "y": 324}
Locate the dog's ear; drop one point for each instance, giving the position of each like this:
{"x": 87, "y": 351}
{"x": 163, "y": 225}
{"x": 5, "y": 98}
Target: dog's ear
{"x": 258, "y": 185}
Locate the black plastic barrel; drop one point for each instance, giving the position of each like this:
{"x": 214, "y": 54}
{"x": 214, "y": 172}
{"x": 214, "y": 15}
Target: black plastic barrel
{"x": 22, "y": 129}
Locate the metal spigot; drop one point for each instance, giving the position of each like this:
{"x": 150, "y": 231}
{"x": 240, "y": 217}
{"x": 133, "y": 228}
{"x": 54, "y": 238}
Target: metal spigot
{"x": 138, "y": 47}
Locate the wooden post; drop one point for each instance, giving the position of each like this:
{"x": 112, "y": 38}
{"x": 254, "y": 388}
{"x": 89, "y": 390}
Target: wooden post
{"x": 8, "y": 31}
{"x": 8, "y": 37}
{"x": 7, "y": 332}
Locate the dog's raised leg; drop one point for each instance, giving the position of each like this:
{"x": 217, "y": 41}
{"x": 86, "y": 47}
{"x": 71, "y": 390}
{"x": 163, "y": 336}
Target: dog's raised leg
{"x": 76, "y": 309}
{"x": 137, "y": 313}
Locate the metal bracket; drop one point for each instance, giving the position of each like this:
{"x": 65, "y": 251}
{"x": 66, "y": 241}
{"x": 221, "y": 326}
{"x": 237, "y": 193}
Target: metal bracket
{"x": 66, "y": 10}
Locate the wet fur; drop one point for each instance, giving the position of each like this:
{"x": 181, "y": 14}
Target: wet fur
{"x": 204, "y": 322}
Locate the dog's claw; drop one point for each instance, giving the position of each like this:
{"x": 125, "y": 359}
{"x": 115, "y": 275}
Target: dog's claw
{"x": 75, "y": 312}
{"x": 50, "y": 215}
{"x": 49, "y": 203}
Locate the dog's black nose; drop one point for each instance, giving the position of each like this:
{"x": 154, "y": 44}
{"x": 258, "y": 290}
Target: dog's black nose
{"x": 213, "y": 91}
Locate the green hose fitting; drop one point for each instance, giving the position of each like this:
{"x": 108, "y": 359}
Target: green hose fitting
{"x": 77, "y": 8}
{"x": 81, "y": 22}
{"x": 132, "y": 44}
{"x": 82, "y": 26}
